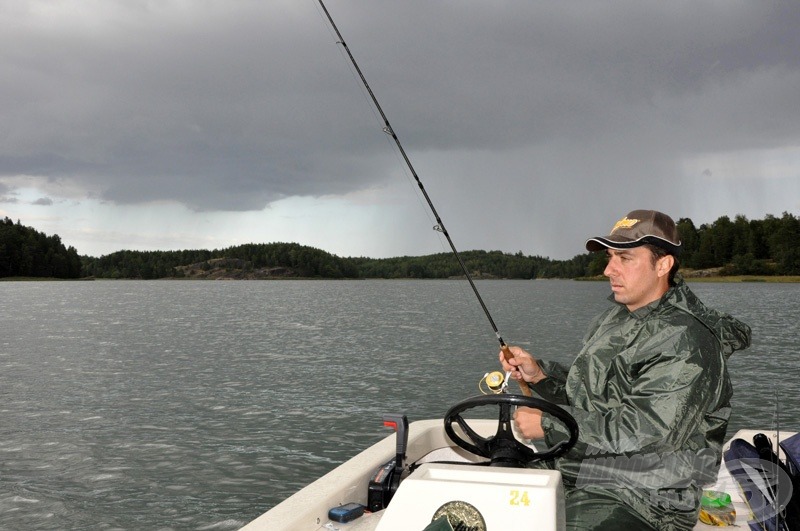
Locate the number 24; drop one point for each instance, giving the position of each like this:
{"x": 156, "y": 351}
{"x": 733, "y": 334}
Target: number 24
{"x": 519, "y": 498}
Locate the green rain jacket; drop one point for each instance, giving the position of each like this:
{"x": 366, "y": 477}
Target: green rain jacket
{"x": 650, "y": 392}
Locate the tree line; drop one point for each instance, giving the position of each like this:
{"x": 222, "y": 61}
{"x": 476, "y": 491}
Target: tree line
{"x": 770, "y": 246}
{"x": 25, "y": 252}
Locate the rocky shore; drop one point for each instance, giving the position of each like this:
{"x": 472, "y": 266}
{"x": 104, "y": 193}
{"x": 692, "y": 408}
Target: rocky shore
{"x": 231, "y": 269}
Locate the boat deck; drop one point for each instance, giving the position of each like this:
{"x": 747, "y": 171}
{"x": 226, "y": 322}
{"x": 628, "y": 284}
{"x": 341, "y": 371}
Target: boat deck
{"x": 308, "y": 508}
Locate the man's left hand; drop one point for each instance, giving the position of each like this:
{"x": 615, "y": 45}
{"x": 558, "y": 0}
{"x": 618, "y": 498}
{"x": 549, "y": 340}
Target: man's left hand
{"x": 529, "y": 422}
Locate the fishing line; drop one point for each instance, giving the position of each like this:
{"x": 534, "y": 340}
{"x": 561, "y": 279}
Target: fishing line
{"x": 439, "y": 227}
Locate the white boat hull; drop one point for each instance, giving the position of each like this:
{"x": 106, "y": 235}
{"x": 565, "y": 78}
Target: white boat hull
{"x": 491, "y": 490}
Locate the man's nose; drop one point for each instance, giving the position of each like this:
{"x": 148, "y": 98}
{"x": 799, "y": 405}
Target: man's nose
{"x": 610, "y": 268}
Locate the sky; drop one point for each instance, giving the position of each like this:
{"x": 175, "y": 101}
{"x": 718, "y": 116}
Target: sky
{"x": 533, "y": 125}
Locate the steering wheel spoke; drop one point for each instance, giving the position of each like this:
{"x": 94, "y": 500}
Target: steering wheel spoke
{"x": 481, "y": 444}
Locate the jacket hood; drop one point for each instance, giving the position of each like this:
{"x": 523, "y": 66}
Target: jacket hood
{"x": 732, "y": 334}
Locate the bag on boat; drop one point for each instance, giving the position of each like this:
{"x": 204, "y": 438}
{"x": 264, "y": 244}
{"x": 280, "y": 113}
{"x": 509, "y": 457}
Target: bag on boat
{"x": 791, "y": 447}
{"x": 770, "y": 487}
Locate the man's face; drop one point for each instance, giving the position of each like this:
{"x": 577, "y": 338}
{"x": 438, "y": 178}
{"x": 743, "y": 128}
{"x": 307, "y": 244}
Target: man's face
{"x": 635, "y": 280}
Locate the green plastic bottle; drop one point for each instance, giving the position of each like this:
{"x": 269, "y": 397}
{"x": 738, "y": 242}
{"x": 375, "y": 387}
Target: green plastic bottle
{"x": 716, "y": 508}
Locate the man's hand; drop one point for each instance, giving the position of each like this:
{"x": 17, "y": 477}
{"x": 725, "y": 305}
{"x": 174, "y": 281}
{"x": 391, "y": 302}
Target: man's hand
{"x": 529, "y": 422}
{"x": 523, "y": 366}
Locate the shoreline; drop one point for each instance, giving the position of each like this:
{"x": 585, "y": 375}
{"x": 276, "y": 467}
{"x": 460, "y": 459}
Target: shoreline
{"x": 790, "y": 279}
{"x": 777, "y": 279}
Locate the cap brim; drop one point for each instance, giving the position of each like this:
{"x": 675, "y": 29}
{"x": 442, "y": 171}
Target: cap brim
{"x": 599, "y": 244}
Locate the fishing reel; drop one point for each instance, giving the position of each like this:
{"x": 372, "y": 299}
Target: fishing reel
{"x": 493, "y": 383}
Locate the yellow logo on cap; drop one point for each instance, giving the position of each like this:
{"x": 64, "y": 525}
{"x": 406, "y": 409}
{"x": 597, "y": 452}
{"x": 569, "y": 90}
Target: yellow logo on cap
{"x": 625, "y": 223}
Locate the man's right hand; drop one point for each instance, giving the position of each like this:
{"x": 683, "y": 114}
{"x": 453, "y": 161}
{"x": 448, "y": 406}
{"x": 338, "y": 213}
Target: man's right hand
{"x": 522, "y": 365}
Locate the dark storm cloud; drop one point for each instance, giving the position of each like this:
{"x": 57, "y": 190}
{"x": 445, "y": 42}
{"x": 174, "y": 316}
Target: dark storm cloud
{"x": 217, "y": 108}
{"x": 232, "y": 105}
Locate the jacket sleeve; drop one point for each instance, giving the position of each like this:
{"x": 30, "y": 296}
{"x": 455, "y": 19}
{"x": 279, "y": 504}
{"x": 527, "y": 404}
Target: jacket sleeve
{"x": 657, "y": 401}
{"x": 553, "y": 388}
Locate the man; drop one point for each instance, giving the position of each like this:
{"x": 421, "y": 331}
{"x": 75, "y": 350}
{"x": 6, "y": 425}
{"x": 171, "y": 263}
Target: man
{"x": 649, "y": 390}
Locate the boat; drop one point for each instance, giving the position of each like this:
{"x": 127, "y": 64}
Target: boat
{"x": 449, "y": 477}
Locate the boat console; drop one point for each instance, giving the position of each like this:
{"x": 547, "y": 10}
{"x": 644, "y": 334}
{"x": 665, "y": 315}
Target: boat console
{"x": 477, "y": 498}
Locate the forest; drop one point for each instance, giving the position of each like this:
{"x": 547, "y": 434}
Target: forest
{"x": 770, "y": 246}
{"x": 25, "y": 252}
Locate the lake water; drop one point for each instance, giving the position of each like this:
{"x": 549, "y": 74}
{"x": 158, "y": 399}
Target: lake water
{"x": 199, "y": 405}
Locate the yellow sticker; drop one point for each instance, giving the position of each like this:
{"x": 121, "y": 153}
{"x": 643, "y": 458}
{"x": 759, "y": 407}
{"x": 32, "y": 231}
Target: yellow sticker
{"x": 625, "y": 223}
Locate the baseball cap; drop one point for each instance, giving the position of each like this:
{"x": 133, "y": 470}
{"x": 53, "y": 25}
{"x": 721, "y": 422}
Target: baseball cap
{"x": 638, "y": 228}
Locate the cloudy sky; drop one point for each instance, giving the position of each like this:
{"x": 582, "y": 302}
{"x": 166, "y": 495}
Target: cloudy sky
{"x": 179, "y": 124}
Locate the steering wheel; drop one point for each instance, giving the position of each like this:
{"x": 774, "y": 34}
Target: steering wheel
{"x": 503, "y": 449}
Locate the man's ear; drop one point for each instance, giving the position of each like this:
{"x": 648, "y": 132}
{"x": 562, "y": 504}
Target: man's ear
{"x": 664, "y": 265}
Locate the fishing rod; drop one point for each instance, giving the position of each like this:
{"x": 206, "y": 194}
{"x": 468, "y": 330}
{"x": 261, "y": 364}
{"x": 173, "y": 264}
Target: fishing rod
{"x": 387, "y": 128}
